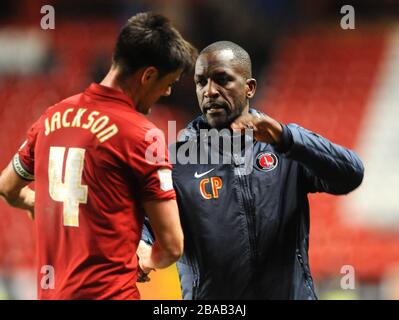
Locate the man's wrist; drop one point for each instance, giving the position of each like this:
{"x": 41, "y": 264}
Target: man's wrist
{"x": 285, "y": 142}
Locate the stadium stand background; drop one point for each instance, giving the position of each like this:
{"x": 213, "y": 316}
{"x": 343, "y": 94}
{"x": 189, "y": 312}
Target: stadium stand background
{"x": 339, "y": 83}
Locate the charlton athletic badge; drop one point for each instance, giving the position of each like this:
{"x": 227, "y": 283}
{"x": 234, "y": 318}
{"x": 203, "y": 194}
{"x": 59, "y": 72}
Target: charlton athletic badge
{"x": 266, "y": 161}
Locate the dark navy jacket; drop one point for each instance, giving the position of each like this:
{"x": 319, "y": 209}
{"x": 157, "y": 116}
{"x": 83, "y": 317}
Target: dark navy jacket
{"x": 246, "y": 236}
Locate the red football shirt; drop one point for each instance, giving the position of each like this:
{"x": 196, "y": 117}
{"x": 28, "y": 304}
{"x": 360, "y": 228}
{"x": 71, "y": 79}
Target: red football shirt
{"x": 87, "y": 157}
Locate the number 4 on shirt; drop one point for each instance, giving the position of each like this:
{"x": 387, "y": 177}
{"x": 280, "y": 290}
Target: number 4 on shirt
{"x": 71, "y": 192}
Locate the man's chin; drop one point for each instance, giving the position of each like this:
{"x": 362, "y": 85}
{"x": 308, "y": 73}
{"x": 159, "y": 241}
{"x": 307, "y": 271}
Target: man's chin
{"x": 217, "y": 123}
{"x": 144, "y": 110}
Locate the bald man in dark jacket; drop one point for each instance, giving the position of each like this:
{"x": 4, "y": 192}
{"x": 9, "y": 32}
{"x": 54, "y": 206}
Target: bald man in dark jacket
{"x": 246, "y": 224}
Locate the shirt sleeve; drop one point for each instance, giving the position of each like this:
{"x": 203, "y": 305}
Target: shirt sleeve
{"x": 148, "y": 156}
{"x": 327, "y": 167}
{"x": 24, "y": 160}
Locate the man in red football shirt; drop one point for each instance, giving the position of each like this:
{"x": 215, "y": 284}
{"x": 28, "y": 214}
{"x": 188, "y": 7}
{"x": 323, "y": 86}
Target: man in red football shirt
{"x": 93, "y": 184}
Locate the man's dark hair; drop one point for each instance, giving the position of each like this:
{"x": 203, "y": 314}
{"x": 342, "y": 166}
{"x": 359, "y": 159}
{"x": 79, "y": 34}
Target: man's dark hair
{"x": 149, "y": 39}
{"x": 240, "y": 54}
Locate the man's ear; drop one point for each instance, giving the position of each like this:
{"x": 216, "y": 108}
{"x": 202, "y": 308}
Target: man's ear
{"x": 250, "y": 88}
{"x": 149, "y": 75}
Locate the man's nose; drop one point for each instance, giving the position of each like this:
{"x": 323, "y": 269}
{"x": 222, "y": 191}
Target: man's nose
{"x": 211, "y": 89}
{"x": 168, "y": 92}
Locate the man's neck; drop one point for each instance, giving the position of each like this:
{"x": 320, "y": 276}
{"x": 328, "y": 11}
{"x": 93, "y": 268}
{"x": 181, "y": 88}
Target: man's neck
{"x": 245, "y": 111}
{"x": 111, "y": 81}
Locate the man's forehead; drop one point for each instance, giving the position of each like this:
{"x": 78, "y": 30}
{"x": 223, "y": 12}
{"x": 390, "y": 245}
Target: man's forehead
{"x": 221, "y": 59}
{"x": 225, "y": 55}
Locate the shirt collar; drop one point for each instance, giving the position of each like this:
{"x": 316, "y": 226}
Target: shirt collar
{"x": 110, "y": 93}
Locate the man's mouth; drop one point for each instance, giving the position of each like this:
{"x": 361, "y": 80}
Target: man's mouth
{"x": 214, "y": 108}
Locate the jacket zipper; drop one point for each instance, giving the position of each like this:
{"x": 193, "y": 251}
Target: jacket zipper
{"x": 308, "y": 277}
{"x": 195, "y": 287}
{"x": 196, "y": 281}
{"x": 250, "y": 215}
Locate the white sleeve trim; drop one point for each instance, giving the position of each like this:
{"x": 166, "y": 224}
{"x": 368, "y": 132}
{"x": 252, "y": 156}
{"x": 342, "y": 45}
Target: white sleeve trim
{"x": 20, "y": 170}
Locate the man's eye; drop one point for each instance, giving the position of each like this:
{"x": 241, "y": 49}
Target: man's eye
{"x": 201, "y": 82}
{"x": 222, "y": 80}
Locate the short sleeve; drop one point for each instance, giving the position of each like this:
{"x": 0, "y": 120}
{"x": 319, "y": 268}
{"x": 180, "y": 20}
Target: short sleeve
{"x": 24, "y": 160}
{"x": 148, "y": 157}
